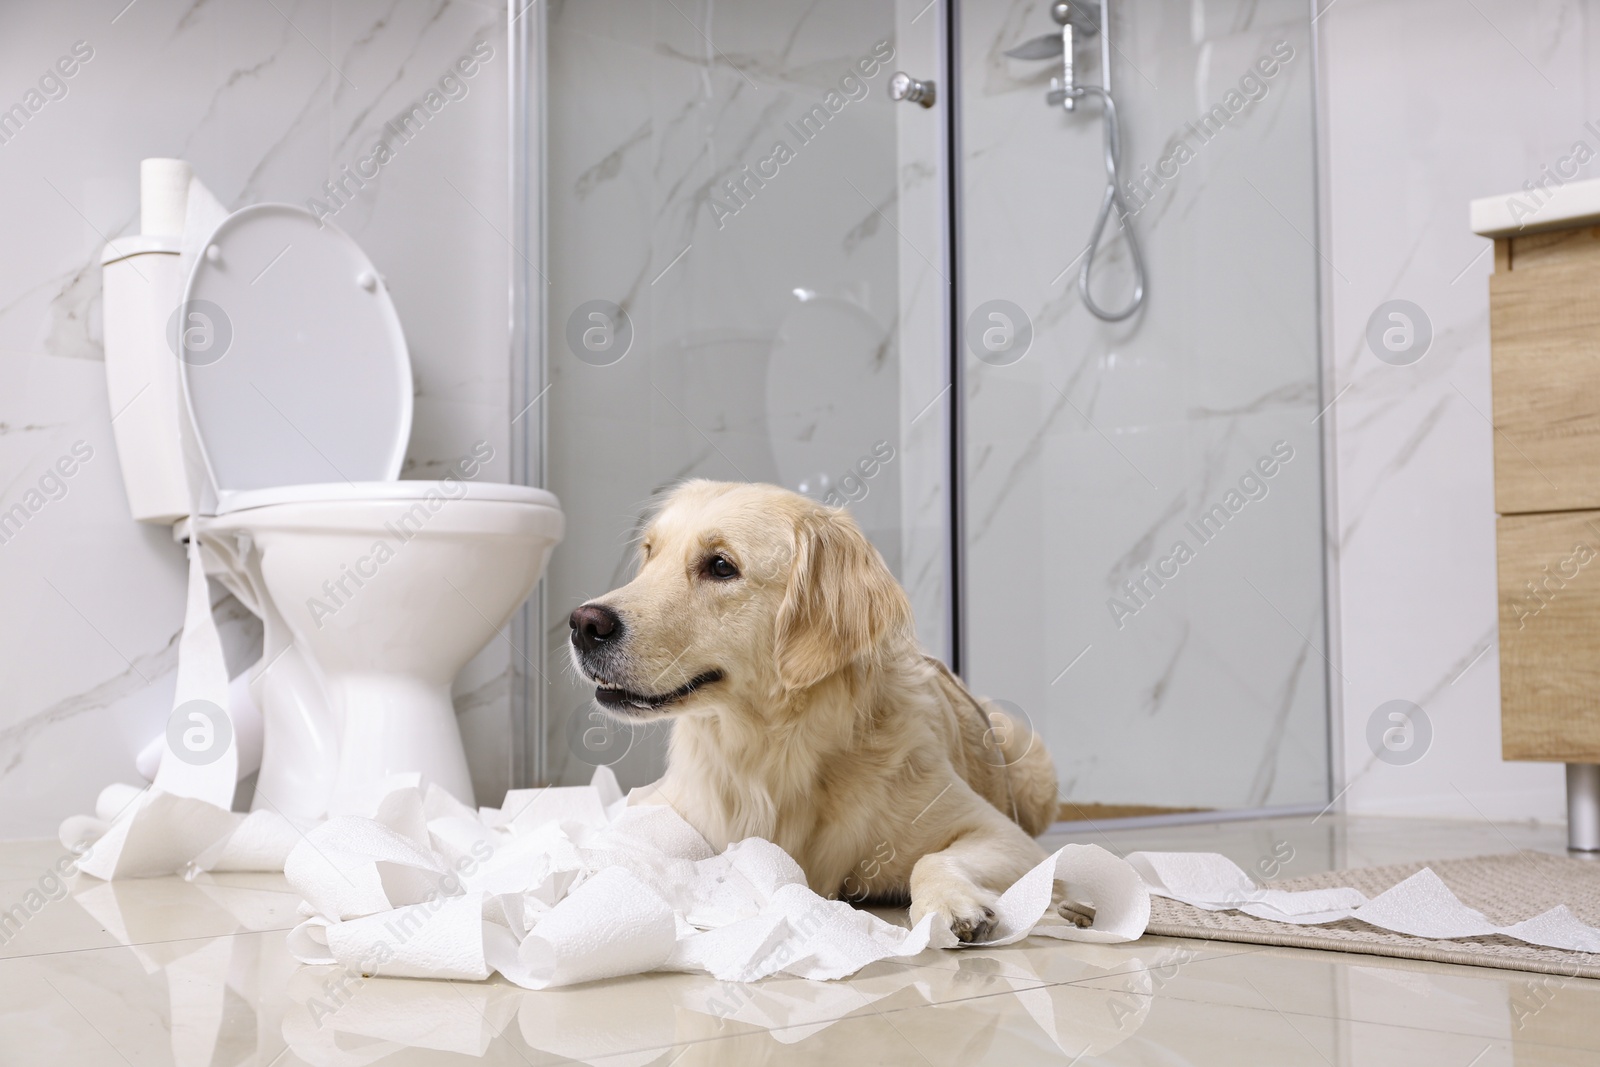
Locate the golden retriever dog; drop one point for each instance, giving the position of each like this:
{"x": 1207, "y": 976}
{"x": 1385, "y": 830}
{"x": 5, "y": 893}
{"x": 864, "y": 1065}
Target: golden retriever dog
{"x": 771, "y": 630}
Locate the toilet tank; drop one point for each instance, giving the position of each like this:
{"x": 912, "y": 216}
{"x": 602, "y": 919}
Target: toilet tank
{"x": 142, "y": 288}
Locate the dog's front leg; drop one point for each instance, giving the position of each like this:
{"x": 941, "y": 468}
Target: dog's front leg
{"x": 963, "y": 880}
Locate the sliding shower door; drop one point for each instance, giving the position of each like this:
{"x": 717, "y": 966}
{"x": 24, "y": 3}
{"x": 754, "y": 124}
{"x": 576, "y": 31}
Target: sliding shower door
{"x": 747, "y": 274}
{"x": 1143, "y": 542}
{"x": 744, "y": 278}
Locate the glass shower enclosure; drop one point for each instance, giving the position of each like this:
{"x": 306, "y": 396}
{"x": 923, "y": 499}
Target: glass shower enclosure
{"x": 739, "y": 257}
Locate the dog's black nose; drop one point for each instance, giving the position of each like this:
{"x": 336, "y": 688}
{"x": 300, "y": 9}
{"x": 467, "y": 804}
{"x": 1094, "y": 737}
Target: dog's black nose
{"x": 592, "y": 626}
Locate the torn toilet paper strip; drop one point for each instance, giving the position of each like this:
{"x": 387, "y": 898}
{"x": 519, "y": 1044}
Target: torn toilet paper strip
{"x": 145, "y": 833}
{"x": 1421, "y": 906}
{"x": 569, "y": 885}
{"x": 183, "y": 819}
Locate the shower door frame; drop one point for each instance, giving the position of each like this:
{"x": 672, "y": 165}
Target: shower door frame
{"x": 526, "y": 41}
{"x": 956, "y": 480}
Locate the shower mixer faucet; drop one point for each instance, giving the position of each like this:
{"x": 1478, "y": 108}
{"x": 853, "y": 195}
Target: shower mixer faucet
{"x": 1075, "y": 19}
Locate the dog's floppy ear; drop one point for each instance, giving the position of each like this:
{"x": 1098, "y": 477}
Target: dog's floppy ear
{"x": 840, "y": 604}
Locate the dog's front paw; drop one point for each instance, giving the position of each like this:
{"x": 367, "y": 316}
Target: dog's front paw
{"x": 973, "y": 928}
{"x": 967, "y": 911}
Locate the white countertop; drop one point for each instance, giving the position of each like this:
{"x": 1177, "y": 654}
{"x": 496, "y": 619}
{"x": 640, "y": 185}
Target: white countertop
{"x": 1521, "y": 212}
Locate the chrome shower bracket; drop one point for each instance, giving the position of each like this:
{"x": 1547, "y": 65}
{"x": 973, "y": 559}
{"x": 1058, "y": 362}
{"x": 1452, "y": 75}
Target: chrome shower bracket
{"x": 1062, "y": 90}
{"x": 1074, "y": 18}
{"x": 1075, "y": 21}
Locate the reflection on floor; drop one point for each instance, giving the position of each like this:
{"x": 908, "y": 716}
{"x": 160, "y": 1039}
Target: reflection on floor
{"x": 196, "y": 973}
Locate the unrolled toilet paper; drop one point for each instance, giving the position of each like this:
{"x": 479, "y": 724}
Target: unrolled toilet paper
{"x": 246, "y": 719}
{"x": 563, "y": 886}
{"x": 182, "y": 822}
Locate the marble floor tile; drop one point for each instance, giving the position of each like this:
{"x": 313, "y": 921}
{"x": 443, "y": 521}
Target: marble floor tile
{"x": 42, "y": 915}
{"x": 168, "y": 971}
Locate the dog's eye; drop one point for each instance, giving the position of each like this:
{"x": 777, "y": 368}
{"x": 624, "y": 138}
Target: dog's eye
{"x": 720, "y": 568}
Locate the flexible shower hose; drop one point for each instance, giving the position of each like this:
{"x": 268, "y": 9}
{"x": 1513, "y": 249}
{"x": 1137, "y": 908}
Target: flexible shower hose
{"x": 1112, "y": 199}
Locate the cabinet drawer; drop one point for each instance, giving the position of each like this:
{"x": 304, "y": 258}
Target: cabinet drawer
{"x": 1550, "y": 636}
{"x": 1544, "y": 325}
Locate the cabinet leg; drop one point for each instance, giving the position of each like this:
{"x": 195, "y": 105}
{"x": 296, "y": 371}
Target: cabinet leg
{"x": 1583, "y": 807}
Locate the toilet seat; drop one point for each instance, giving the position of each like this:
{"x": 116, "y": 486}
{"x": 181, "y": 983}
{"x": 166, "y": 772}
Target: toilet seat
{"x": 344, "y": 493}
{"x": 294, "y": 366}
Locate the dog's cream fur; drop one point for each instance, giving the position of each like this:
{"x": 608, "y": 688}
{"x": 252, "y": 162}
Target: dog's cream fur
{"x": 828, "y": 731}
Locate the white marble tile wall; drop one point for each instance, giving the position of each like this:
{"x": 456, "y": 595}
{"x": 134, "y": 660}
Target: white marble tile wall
{"x": 1430, "y": 104}
{"x": 1090, "y": 458}
{"x": 268, "y": 101}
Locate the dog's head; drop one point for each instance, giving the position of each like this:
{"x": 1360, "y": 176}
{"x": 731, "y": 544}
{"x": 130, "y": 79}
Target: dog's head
{"x": 744, "y": 593}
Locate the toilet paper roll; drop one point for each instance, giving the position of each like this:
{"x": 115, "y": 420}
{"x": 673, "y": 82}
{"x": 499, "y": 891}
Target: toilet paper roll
{"x": 568, "y": 946}
{"x": 163, "y": 196}
{"x": 436, "y": 939}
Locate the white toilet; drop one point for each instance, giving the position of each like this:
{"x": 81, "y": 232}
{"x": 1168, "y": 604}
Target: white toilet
{"x": 287, "y": 418}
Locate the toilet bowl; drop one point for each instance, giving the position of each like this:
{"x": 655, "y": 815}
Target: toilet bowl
{"x": 268, "y": 417}
{"x": 386, "y": 590}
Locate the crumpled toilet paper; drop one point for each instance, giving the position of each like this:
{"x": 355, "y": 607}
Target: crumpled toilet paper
{"x": 569, "y": 885}
{"x": 1422, "y": 905}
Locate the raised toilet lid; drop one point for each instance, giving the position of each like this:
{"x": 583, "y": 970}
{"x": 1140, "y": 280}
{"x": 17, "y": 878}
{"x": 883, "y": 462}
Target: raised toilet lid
{"x": 294, "y": 364}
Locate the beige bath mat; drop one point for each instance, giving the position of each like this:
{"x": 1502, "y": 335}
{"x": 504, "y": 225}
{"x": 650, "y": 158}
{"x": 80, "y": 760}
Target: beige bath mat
{"x": 1506, "y": 888}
